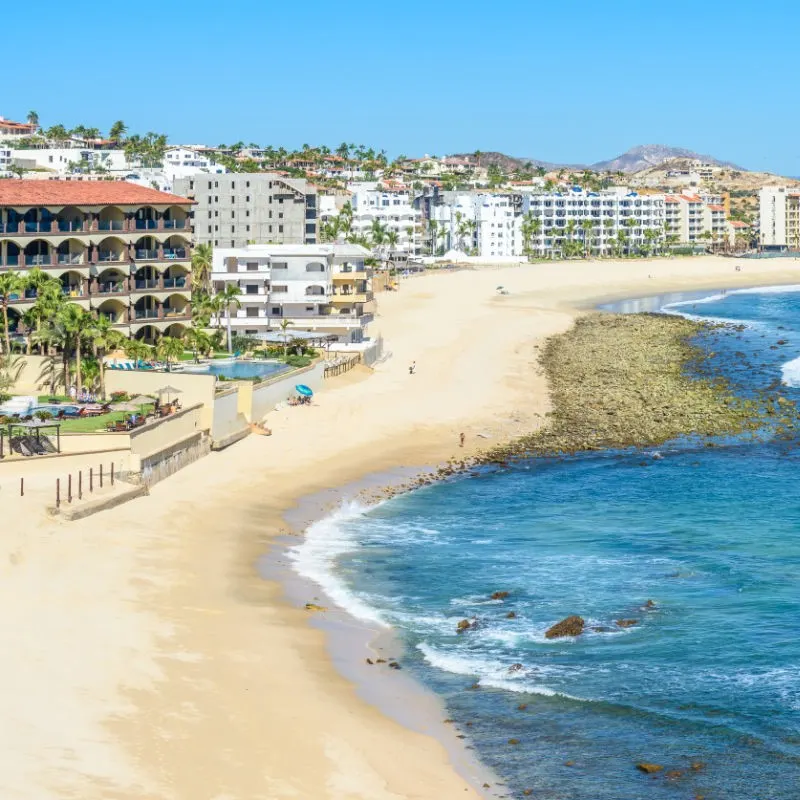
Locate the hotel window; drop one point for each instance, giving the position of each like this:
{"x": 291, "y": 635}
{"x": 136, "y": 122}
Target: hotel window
{"x": 252, "y": 312}
{"x": 233, "y": 185}
{"x": 279, "y": 289}
{"x": 280, "y": 228}
{"x": 209, "y": 213}
{"x": 276, "y": 311}
{"x": 233, "y": 215}
{"x": 252, "y": 265}
{"x": 247, "y": 186}
{"x": 209, "y": 229}
{"x": 309, "y": 308}
{"x": 216, "y": 184}
{"x": 247, "y": 199}
{"x": 280, "y": 215}
{"x": 247, "y": 213}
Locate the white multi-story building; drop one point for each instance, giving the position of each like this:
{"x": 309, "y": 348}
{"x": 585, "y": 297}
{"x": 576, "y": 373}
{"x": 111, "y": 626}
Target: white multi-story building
{"x": 778, "y": 217}
{"x": 319, "y": 289}
{"x": 5, "y": 160}
{"x": 484, "y": 224}
{"x": 695, "y": 218}
{"x": 181, "y": 162}
{"x": 65, "y": 160}
{"x": 392, "y": 209}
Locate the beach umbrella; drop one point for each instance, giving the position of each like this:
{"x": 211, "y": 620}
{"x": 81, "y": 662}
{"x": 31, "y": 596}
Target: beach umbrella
{"x": 167, "y": 390}
{"x": 304, "y": 390}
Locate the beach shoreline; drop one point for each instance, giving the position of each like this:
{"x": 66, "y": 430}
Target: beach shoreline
{"x": 213, "y": 684}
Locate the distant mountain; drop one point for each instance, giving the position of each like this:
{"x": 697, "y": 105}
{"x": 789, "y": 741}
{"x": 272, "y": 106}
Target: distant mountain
{"x": 634, "y": 160}
{"x": 651, "y": 155}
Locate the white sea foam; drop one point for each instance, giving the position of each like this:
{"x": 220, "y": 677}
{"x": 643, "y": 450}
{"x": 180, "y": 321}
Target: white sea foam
{"x": 315, "y": 558}
{"x": 790, "y": 373}
{"x": 675, "y": 308}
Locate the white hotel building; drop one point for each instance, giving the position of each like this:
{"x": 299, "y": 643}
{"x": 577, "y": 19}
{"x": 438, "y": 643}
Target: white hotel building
{"x": 392, "y": 208}
{"x": 321, "y": 289}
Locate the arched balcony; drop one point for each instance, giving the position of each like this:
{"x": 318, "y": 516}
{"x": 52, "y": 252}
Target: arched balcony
{"x": 146, "y": 248}
{"x": 175, "y": 218}
{"x": 73, "y": 284}
{"x": 148, "y": 334}
{"x": 38, "y": 254}
{"x": 176, "y": 277}
{"x": 71, "y": 220}
{"x": 10, "y": 254}
{"x": 176, "y": 330}
{"x": 146, "y": 307}
{"x": 145, "y": 278}
{"x": 315, "y": 291}
{"x": 315, "y": 266}
{"x": 145, "y": 219}
{"x": 70, "y": 251}
{"x": 111, "y": 249}
{"x": 10, "y": 221}
{"x": 176, "y": 305}
{"x": 110, "y": 281}
{"x": 37, "y": 220}
{"x": 175, "y": 247}
{"x": 114, "y": 310}
{"x": 111, "y": 218}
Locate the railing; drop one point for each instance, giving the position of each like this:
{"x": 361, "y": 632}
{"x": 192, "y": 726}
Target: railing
{"x": 145, "y": 313}
{"x": 9, "y": 227}
{"x": 146, "y": 253}
{"x": 176, "y": 312}
{"x": 174, "y": 283}
{"x": 179, "y": 224}
{"x": 70, "y": 258}
{"x": 109, "y": 255}
{"x": 66, "y": 227}
{"x": 72, "y": 291}
{"x": 37, "y": 227}
{"x": 12, "y": 261}
{"x": 175, "y": 252}
{"x": 37, "y": 261}
{"x": 145, "y": 224}
{"x": 111, "y": 288}
{"x": 111, "y": 225}
{"x": 149, "y": 283}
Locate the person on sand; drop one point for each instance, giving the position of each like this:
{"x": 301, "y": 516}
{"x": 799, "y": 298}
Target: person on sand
{"x": 461, "y": 438}
{"x": 413, "y": 368}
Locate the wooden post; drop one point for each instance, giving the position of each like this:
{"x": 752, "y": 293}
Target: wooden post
{"x": 101, "y": 476}
{"x": 80, "y": 484}
{"x": 112, "y": 473}
{"x": 91, "y": 479}
{"x": 69, "y": 488}
{"x": 22, "y": 487}
{"x": 58, "y": 492}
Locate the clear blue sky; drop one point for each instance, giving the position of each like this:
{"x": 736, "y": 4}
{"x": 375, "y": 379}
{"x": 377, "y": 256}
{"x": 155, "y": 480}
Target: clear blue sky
{"x": 565, "y": 80}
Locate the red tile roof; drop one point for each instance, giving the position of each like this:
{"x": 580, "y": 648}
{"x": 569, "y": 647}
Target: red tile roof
{"x": 738, "y": 224}
{"x": 82, "y": 193}
{"x": 670, "y": 199}
{"x": 717, "y": 208}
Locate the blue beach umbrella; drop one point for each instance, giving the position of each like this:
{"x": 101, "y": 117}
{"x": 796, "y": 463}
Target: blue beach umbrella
{"x": 304, "y": 390}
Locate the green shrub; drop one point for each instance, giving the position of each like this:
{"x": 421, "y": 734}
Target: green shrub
{"x": 298, "y": 361}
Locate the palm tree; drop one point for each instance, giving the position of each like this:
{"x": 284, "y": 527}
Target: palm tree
{"x": 392, "y": 238}
{"x": 169, "y": 349}
{"x": 285, "y": 324}
{"x": 587, "y": 226}
{"x": 199, "y": 342}
{"x": 33, "y": 118}
{"x": 202, "y": 261}
{"x": 11, "y": 284}
{"x": 228, "y": 298}
{"x": 104, "y": 338}
{"x": 77, "y": 324}
{"x": 377, "y": 232}
{"x": 137, "y": 350}
{"x": 117, "y": 131}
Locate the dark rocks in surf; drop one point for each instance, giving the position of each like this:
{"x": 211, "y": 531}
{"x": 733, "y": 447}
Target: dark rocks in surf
{"x": 466, "y": 624}
{"x": 515, "y": 668}
{"x": 648, "y": 768}
{"x": 570, "y": 626}
{"x": 499, "y": 595}
{"x": 511, "y": 615}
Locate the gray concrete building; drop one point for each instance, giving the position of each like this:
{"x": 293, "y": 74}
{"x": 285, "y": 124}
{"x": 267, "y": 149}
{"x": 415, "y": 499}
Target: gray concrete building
{"x": 235, "y": 209}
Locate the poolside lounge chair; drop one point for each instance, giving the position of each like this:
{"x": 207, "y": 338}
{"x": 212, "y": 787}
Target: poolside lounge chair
{"x": 18, "y": 445}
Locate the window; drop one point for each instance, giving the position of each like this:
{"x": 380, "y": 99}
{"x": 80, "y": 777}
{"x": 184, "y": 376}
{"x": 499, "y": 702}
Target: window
{"x": 216, "y": 227}
{"x": 280, "y": 265}
{"x": 247, "y": 228}
{"x": 247, "y": 213}
{"x": 252, "y": 312}
{"x": 233, "y": 230}
{"x": 209, "y": 213}
{"x": 216, "y": 185}
{"x": 309, "y": 308}
{"x": 233, "y": 185}
{"x": 216, "y": 213}
{"x": 215, "y": 242}
{"x": 270, "y": 215}
{"x": 315, "y": 266}
{"x": 280, "y": 228}
{"x": 279, "y": 289}
{"x": 216, "y": 198}
{"x": 209, "y": 229}
{"x": 233, "y": 244}
{"x": 209, "y": 185}
{"x": 276, "y": 311}
{"x": 233, "y": 215}
{"x": 270, "y": 228}
{"x": 247, "y": 199}
{"x": 252, "y": 266}
{"x": 247, "y": 186}
{"x": 280, "y": 215}
{"x": 311, "y": 228}
{"x": 251, "y": 288}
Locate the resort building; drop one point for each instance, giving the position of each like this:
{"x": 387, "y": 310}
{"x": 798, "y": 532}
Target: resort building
{"x": 695, "y": 219}
{"x": 323, "y": 289}
{"x": 483, "y": 224}
{"x": 9, "y": 129}
{"x": 779, "y": 218}
{"x": 392, "y": 209}
{"x": 121, "y": 250}
{"x": 67, "y": 160}
{"x": 183, "y": 162}
{"x": 239, "y": 208}
{"x": 5, "y": 160}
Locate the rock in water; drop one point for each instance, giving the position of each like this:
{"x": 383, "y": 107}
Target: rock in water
{"x": 649, "y": 768}
{"x": 627, "y": 623}
{"x": 571, "y": 626}
{"x": 499, "y": 595}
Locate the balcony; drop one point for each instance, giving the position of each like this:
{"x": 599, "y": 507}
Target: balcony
{"x": 146, "y": 254}
{"x": 149, "y": 283}
{"x": 175, "y": 224}
{"x": 37, "y": 227}
{"x": 145, "y": 313}
{"x": 350, "y": 276}
{"x": 9, "y": 227}
{"x": 145, "y": 224}
{"x": 70, "y": 258}
{"x": 175, "y": 283}
{"x": 111, "y": 287}
{"x": 111, "y": 225}
{"x": 175, "y": 253}
{"x": 64, "y": 226}
{"x": 73, "y": 291}
{"x": 38, "y": 260}
{"x": 111, "y": 255}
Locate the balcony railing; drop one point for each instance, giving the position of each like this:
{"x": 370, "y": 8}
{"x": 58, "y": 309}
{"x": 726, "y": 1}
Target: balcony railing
{"x": 145, "y": 224}
{"x": 177, "y": 224}
{"x": 12, "y": 261}
{"x": 110, "y": 255}
{"x": 37, "y": 261}
{"x": 112, "y": 287}
{"x": 70, "y": 258}
{"x": 174, "y": 252}
{"x": 176, "y": 312}
{"x": 111, "y": 225}
{"x": 174, "y": 283}
{"x": 64, "y": 226}
{"x": 9, "y": 227}
{"x": 37, "y": 227}
{"x": 145, "y": 313}
{"x": 148, "y": 283}
{"x": 73, "y": 291}
{"x": 146, "y": 253}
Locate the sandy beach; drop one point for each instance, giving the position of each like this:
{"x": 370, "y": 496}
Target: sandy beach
{"x": 144, "y": 656}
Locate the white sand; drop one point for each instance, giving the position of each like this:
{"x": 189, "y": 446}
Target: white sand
{"x": 143, "y": 656}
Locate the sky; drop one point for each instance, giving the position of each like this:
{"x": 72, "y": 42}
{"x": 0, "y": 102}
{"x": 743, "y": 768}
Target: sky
{"x": 573, "y": 81}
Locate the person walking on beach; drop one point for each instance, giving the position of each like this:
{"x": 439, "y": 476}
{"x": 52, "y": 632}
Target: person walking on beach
{"x": 413, "y": 368}
{"x": 462, "y": 437}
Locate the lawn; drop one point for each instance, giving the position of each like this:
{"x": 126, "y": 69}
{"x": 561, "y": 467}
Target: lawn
{"x": 93, "y": 424}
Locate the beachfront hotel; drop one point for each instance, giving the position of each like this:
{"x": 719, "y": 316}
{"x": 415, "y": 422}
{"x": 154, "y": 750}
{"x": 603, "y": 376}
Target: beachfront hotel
{"x": 779, "y": 218}
{"x": 237, "y": 208}
{"x": 119, "y": 249}
{"x": 321, "y": 289}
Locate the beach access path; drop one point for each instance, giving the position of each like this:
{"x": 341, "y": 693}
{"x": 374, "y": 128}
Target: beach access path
{"x": 143, "y": 656}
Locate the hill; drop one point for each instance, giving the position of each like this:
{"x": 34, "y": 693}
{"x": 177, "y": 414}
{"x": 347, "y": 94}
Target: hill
{"x": 651, "y": 155}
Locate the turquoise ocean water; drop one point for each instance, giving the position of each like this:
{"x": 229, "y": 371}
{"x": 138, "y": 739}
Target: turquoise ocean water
{"x": 709, "y": 676}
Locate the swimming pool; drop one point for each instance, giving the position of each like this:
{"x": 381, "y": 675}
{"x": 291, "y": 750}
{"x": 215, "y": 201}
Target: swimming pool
{"x": 55, "y": 409}
{"x": 230, "y": 368}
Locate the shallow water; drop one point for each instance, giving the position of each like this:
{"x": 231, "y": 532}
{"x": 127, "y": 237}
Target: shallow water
{"x": 709, "y": 676}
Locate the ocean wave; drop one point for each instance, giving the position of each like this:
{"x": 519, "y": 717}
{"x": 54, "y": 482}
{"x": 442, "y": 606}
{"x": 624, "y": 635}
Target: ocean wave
{"x": 790, "y": 373}
{"x": 315, "y": 559}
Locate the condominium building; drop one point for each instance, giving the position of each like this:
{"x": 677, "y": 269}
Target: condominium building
{"x": 322, "y": 289}
{"x": 10, "y": 130}
{"x": 392, "y": 209}
{"x": 779, "y": 218}
{"x": 65, "y": 160}
{"x": 695, "y": 218}
{"x": 121, "y": 250}
{"x": 239, "y": 208}
{"x": 183, "y": 162}
{"x": 483, "y": 223}
{"x": 5, "y": 160}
